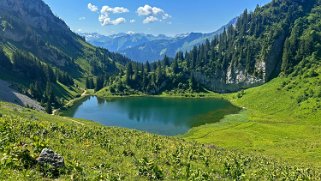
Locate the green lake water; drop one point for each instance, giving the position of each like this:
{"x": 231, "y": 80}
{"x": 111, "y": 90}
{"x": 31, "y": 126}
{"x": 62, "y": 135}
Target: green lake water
{"x": 164, "y": 116}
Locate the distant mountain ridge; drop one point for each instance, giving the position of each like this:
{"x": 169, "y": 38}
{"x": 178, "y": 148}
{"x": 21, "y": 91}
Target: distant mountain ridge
{"x": 121, "y": 41}
{"x": 146, "y": 47}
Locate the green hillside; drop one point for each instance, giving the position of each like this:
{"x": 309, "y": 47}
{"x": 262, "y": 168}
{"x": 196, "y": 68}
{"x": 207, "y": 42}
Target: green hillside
{"x": 95, "y": 152}
{"x": 44, "y": 58}
{"x": 281, "y": 119}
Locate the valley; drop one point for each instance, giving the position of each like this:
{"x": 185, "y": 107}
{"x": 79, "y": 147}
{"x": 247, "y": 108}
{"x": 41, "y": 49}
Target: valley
{"x": 242, "y": 103}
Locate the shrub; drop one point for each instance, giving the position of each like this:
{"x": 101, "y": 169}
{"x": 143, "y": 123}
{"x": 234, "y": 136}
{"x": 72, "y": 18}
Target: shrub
{"x": 150, "y": 170}
{"x": 302, "y": 98}
{"x": 240, "y": 94}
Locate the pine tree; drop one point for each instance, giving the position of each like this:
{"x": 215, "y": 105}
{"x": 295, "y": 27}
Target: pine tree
{"x": 48, "y": 108}
{"x": 129, "y": 70}
{"x": 49, "y": 97}
{"x": 99, "y": 83}
{"x": 91, "y": 83}
{"x": 192, "y": 83}
{"x": 166, "y": 61}
{"x": 87, "y": 83}
{"x": 147, "y": 67}
{"x": 175, "y": 67}
{"x": 129, "y": 73}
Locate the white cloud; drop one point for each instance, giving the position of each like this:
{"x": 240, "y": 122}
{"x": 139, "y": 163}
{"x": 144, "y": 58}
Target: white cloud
{"x": 130, "y": 32}
{"x": 105, "y": 19}
{"x": 147, "y": 10}
{"x": 157, "y": 11}
{"x": 132, "y": 21}
{"x": 152, "y": 14}
{"x": 92, "y": 7}
{"x": 79, "y": 30}
{"x": 81, "y": 18}
{"x": 144, "y": 11}
{"x": 115, "y": 10}
{"x": 118, "y": 21}
{"x": 166, "y": 16}
{"x": 150, "y": 19}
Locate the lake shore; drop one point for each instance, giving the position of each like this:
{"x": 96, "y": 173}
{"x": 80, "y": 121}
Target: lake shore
{"x": 72, "y": 102}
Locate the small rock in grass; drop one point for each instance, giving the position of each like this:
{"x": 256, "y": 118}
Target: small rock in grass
{"x": 48, "y": 156}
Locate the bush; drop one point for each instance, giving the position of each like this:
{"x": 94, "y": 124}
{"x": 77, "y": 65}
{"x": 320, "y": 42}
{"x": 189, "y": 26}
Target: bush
{"x": 302, "y": 98}
{"x": 311, "y": 74}
{"x": 240, "y": 94}
{"x": 150, "y": 170}
{"x": 18, "y": 157}
{"x": 50, "y": 171}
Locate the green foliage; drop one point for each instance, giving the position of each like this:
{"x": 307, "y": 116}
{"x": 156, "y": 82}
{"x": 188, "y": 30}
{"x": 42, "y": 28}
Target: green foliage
{"x": 150, "y": 170}
{"x": 90, "y": 83}
{"x": 240, "y": 94}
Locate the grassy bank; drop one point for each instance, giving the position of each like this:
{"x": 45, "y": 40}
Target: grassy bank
{"x": 95, "y": 152}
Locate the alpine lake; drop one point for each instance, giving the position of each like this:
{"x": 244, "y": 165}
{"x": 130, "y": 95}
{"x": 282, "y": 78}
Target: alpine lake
{"x": 163, "y": 116}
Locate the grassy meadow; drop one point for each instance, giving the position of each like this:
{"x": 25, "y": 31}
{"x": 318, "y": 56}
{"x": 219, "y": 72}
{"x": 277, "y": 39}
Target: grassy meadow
{"x": 280, "y": 119}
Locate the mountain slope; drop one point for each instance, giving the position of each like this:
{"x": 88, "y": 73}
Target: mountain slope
{"x": 251, "y": 53}
{"x": 40, "y": 54}
{"x": 32, "y": 27}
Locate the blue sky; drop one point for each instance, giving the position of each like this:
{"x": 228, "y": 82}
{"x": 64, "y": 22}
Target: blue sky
{"x": 168, "y": 17}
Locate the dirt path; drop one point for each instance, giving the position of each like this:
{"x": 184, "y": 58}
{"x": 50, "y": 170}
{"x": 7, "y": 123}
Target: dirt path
{"x": 77, "y": 122}
{"x": 8, "y": 94}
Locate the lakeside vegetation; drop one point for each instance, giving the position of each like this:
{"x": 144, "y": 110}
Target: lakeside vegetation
{"x": 95, "y": 152}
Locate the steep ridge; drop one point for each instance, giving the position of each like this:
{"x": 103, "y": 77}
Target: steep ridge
{"x": 31, "y": 26}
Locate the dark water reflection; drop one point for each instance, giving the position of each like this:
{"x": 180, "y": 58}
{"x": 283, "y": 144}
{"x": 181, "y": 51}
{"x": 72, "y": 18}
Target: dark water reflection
{"x": 164, "y": 116}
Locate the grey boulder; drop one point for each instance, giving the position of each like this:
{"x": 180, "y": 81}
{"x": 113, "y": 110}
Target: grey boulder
{"x": 48, "y": 156}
